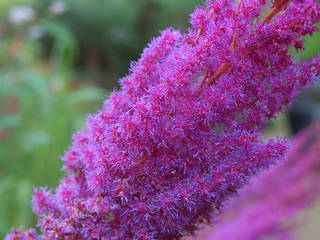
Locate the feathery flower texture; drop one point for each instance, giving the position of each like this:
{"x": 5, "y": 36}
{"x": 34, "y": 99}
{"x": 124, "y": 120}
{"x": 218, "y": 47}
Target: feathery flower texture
{"x": 264, "y": 210}
{"x": 184, "y": 132}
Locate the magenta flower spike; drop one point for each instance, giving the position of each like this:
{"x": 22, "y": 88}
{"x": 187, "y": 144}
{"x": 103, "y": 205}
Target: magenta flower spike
{"x": 185, "y": 131}
{"x": 266, "y": 208}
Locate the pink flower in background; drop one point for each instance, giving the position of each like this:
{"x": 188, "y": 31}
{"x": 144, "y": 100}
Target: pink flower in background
{"x": 185, "y": 131}
{"x": 265, "y": 208}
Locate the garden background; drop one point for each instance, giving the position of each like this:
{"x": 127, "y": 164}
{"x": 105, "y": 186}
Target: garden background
{"x": 58, "y": 60}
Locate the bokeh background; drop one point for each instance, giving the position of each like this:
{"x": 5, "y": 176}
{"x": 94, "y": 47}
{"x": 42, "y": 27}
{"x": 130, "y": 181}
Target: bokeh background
{"x": 58, "y": 60}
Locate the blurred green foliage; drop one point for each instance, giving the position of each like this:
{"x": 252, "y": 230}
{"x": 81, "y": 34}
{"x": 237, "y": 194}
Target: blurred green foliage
{"x": 112, "y": 33}
{"x": 55, "y": 67}
{"x": 41, "y": 105}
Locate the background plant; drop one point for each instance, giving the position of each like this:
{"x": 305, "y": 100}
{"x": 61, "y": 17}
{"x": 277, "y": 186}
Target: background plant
{"x": 41, "y": 105}
{"x": 268, "y": 207}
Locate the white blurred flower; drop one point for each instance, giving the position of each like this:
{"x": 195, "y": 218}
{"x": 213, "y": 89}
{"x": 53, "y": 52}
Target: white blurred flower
{"x": 21, "y": 14}
{"x": 58, "y": 7}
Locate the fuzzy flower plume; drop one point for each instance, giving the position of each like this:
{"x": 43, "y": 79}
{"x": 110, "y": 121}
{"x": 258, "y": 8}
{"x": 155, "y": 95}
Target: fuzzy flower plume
{"x": 265, "y": 209}
{"x": 184, "y": 132}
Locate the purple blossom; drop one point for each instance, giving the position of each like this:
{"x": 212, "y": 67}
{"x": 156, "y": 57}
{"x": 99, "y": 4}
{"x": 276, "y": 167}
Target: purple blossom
{"x": 17, "y": 234}
{"x": 265, "y": 209}
{"x": 185, "y": 131}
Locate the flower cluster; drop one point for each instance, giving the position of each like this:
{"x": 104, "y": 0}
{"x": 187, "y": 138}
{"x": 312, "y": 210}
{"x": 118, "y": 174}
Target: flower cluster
{"x": 265, "y": 209}
{"x": 184, "y": 132}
